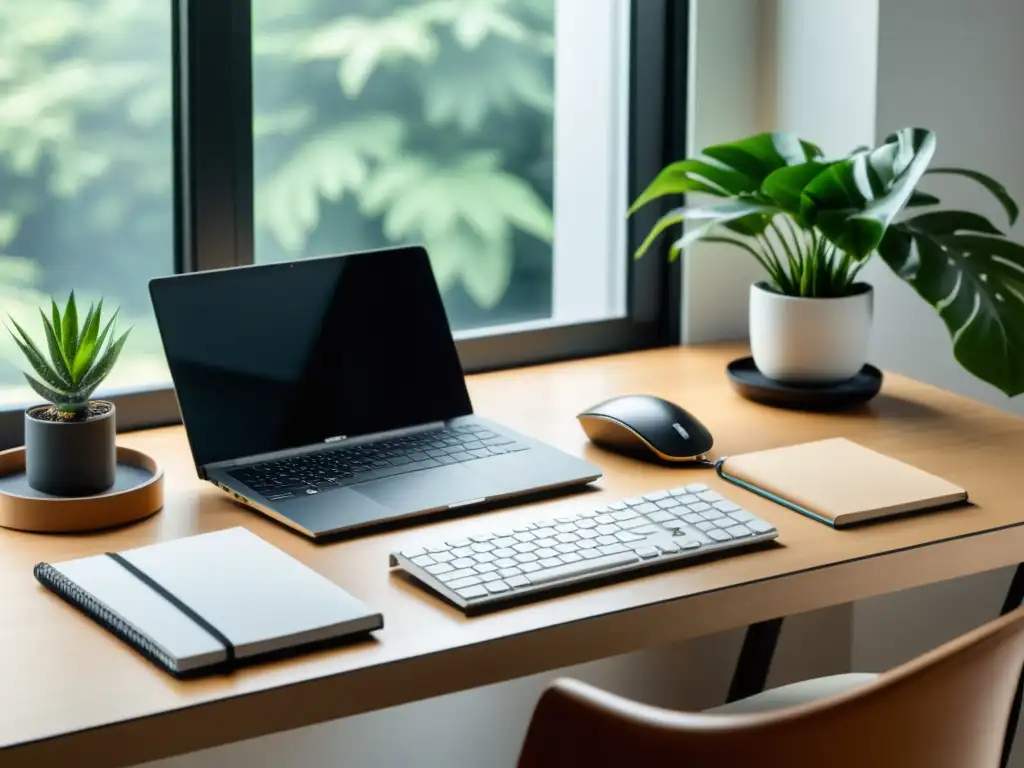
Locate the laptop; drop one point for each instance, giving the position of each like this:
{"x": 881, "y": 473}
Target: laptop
{"x": 328, "y": 394}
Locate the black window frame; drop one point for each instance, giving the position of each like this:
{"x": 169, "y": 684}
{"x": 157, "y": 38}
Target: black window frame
{"x": 213, "y": 174}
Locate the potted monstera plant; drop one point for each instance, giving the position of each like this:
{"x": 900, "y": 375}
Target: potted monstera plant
{"x": 69, "y": 440}
{"x": 813, "y": 222}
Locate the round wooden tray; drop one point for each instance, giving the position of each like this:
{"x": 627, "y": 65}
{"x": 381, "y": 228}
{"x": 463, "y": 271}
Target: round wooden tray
{"x": 137, "y": 493}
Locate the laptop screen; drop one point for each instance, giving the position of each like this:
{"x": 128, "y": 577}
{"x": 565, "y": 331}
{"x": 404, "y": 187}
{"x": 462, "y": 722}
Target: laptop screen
{"x": 266, "y": 358}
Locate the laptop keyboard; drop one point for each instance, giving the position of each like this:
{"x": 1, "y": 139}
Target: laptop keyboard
{"x": 326, "y": 470}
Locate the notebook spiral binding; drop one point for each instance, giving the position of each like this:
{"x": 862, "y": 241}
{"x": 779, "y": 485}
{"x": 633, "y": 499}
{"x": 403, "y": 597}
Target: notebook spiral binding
{"x": 78, "y": 598}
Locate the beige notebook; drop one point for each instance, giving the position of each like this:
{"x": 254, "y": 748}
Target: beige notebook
{"x": 839, "y": 482}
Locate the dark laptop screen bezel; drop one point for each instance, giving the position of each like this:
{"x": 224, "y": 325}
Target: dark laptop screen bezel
{"x": 409, "y": 264}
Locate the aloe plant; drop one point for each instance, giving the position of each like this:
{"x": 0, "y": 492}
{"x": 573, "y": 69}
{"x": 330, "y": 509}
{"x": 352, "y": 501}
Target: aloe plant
{"x": 79, "y": 357}
{"x": 812, "y": 223}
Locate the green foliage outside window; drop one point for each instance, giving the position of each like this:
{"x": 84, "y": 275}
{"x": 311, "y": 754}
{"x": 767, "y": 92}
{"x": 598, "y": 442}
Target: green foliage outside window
{"x": 375, "y": 122}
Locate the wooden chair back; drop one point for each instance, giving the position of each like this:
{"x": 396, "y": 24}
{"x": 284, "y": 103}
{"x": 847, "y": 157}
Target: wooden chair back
{"x": 946, "y": 709}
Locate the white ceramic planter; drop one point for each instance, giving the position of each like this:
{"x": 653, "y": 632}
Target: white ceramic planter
{"x": 810, "y": 340}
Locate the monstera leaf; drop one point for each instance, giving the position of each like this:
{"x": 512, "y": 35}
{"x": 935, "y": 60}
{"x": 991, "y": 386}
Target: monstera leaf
{"x": 961, "y": 264}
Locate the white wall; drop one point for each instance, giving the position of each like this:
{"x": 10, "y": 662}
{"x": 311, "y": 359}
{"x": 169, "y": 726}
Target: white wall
{"x": 953, "y": 66}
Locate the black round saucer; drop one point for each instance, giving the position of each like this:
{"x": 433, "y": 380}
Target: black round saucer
{"x": 754, "y": 385}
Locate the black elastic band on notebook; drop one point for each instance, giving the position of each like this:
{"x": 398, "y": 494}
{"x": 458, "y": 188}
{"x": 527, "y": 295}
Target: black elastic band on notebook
{"x": 229, "y": 648}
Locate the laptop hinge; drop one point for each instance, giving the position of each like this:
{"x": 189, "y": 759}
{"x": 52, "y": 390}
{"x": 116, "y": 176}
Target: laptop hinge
{"x": 340, "y": 441}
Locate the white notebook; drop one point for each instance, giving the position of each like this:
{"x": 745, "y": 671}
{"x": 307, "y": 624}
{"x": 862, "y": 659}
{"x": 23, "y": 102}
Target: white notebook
{"x": 204, "y": 602}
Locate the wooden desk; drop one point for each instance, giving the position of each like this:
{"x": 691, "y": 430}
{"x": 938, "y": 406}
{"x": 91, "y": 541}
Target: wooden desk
{"x": 72, "y": 694}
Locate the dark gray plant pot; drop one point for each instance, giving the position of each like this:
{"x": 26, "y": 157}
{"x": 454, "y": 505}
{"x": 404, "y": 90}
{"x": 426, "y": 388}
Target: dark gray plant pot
{"x": 71, "y": 458}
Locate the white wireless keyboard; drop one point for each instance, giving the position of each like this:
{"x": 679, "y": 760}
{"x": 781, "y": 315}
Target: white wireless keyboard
{"x": 658, "y": 528}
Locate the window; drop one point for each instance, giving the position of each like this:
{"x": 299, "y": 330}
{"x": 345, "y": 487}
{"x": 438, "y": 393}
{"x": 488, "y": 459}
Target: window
{"x": 464, "y": 125}
{"x": 86, "y": 178}
{"x": 145, "y": 137}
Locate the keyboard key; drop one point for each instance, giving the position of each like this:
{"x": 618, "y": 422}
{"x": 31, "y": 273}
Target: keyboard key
{"x": 693, "y": 518}
{"x": 591, "y": 534}
{"x": 458, "y": 584}
{"x": 497, "y": 586}
{"x": 525, "y": 547}
{"x": 611, "y": 549}
{"x": 738, "y": 531}
{"x": 759, "y": 526}
{"x": 504, "y": 552}
{"x": 687, "y": 498}
{"x": 458, "y": 543}
{"x": 470, "y": 592}
{"x": 504, "y": 541}
{"x": 565, "y": 528}
{"x": 544, "y": 552}
{"x": 706, "y": 525}
{"x": 443, "y": 557}
{"x": 627, "y": 514}
{"x": 505, "y": 562}
{"x": 628, "y": 537}
{"x": 645, "y": 529}
{"x": 450, "y": 576}
{"x": 725, "y": 522}
{"x": 413, "y": 552}
{"x": 646, "y": 508}
{"x": 700, "y": 506}
{"x": 525, "y": 557}
{"x": 590, "y": 554}
{"x": 437, "y": 548}
{"x": 696, "y": 488}
{"x": 660, "y": 516}
{"x": 719, "y": 535}
{"x": 586, "y": 544}
{"x": 586, "y": 566}
{"x": 543, "y": 533}
{"x": 668, "y": 547}
{"x": 485, "y": 567}
{"x": 616, "y": 506}
{"x": 668, "y": 504}
{"x": 481, "y": 537}
{"x": 571, "y": 557}
{"x": 742, "y": 516}
{"x": 634, "y": 524}
{"x": 436, "y": 570}
{"x": 565, "y": 548}
{"x": 484, "y": 557}
{"x": 635, "y": 501}
{"x": 489, "y": 576}
{"x": 482, "y": 547}
{"x": 712, "y": 514}
{"x": 584, "y": 524}
{"x": 517, "y": 581}
{"x": 506, "y": 573}
{"x": 710, "y": 496}
{"x": 604, "y": 519}
{"x": 462, "y": 552}
{"x": 606, "y": 530}
{"x": 647, "y": 552}
{"x": 524, "y": 536}
{"x": 567, "y": 538}
{"x": 398, "y": 461}
{"x": 462, "y": 456}
{"x": 546, "y": 542}
{"x": 463, "y": 562}
{"x": 675, "y": 525}
{"x": 604, "y": 540}
{"x": 550, "y": 562}
{"x": 656, "y": 495}
{"x": 529, "y": 567}
{"x": 423, "y": 561}
{"x": 726, "y": 506}
{"x": 689, "y": 542}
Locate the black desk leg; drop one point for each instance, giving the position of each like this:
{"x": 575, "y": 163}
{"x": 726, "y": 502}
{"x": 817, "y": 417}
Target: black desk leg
{"x": 755, "y": 659}
{"x": 1014, "y": 598}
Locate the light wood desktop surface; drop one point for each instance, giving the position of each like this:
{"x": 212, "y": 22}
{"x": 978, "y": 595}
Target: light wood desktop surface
{"x": 72, "y": 694}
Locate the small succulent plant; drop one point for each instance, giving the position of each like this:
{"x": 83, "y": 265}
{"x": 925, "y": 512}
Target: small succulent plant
{"x": 80, "y": 357}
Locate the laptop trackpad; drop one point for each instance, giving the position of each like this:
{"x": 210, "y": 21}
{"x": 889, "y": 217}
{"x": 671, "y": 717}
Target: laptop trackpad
{"x": 426, "y": 489}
